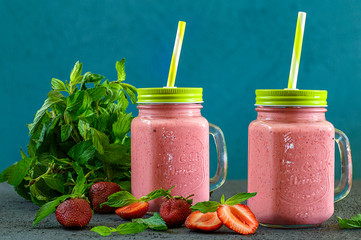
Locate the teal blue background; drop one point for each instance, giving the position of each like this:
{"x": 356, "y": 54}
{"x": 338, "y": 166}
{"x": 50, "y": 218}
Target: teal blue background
{"x": 230, "y": 49}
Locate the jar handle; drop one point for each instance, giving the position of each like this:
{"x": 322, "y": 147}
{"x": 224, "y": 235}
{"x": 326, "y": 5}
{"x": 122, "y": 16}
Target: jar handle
{"x": 344, "y": 186}
{"x": 221, "y": 173}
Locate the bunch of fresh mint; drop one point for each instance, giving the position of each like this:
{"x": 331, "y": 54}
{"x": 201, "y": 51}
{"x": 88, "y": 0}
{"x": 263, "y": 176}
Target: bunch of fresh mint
{"x": 81, "y": 127}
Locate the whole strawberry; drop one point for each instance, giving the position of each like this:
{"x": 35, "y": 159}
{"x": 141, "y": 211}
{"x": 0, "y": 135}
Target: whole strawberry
{"x": 74, "y": 212}
{"x": 175, "y": 210}
{"x": 99, "y": 194}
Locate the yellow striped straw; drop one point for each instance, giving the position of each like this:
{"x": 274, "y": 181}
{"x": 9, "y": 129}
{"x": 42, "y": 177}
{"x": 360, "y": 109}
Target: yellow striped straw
{"x": 176, "y": 53}
{"x": 297, "y": 47}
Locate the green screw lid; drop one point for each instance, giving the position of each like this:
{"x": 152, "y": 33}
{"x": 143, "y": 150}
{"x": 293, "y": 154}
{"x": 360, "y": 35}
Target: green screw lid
{"x": 170, "y": 95}
{"x": 288, "y": 97}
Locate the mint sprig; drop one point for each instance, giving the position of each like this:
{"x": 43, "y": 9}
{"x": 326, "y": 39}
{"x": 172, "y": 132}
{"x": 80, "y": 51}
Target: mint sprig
{"x": 211, "y": 206}
{"x": 124, "y": 198}
{"x": 354, "y": 222}
{"x": 136, "y": 226}
{"x": 84, "y": 122}
{"x": 155, "y": 223}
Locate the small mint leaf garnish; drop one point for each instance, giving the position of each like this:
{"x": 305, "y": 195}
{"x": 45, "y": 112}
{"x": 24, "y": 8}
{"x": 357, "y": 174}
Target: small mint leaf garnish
{"x": 207, "y": 206}
{"x": 120, "y": 199}
{"x": 239, "y": 197}
{"x": 103, "y": 230}
{"x": 354, "y": 222}
{"x": 154, "y": 195}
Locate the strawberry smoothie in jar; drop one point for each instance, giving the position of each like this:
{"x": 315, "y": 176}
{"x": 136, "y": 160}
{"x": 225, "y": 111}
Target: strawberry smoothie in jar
{"x": 291, "y": 159}
{"x": 170, "y": 145}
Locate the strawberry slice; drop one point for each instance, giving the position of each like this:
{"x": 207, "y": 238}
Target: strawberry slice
{"x": 208, "y": 222}
{"x": 134, "y": 210}
{"x": 238, "y": 218}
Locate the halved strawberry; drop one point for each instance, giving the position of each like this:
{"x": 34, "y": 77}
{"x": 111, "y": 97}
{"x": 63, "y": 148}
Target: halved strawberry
{"x": 134, "y": 210}
{"x": 203, "y": 221}
{"x": 238, "y": 217}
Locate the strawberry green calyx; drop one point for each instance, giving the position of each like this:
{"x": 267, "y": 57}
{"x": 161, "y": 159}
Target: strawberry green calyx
{"x": 211, "y": 206}
{"x": 187, "y": 199}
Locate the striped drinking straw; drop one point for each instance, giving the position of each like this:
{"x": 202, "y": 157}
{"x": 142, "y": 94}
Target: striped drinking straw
{"x": 176, "y": 53}
{"x": 297, "y": 47}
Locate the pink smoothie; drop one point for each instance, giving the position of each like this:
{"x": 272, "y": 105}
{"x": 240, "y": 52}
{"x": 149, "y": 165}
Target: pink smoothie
{"x": 170, "y": 147}
{"x": 291, "y": 166}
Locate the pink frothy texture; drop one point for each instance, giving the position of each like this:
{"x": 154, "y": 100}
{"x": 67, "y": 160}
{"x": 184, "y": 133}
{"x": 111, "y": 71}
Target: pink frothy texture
{"x": 170, "y": 147}
{"x": 291, "y": 166}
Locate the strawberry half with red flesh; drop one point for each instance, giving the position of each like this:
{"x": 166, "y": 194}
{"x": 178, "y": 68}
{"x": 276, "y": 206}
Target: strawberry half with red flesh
{"x": 175, "y": 210}
{"x": 134, "y": 210}
{"x": 74, "y": 212}
{"x": 238, "y": 218}
{"x": 231, "y": 213}
{"x": 99, "y": 193}
{"x": 207, "y": 222}
{"x": 129, "y": 207}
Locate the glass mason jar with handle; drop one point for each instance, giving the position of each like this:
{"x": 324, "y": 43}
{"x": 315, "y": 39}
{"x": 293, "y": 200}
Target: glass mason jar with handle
{"x": 170, "y": 145}
{"x": 291, "y": 159}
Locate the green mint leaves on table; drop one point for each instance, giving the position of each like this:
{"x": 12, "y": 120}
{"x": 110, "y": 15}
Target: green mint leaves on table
{"x": 137, "y": 225}
{"x": 354, "y": 222}
{"x": 79, "y": 132}
{"x": 211, "y": 206}
{"x": 124, "y": 198}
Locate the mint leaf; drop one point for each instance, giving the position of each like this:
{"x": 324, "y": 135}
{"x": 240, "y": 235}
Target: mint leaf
{"x": 37, "y": 192}
{"x": 120, "y": 67}
{"x": 207, "y": 206}
{"x": 97, "y": 93}
{"x": 75, "y": 75}
{"x": 80, "y": 185}
{"x": 122, "y": 126}
{"x": 48, "y": 208}
{"x": 239, "y": 197}
{"x": 75, "y": 101}
{"x": 19, "y": 171}
{"x": 87, "y": 102}
{"x": 122, "y": 101}
{"x": 83, "y": 128}
{"x": 91, "y": 77}
{"x": 354, "y": 222}
{"x": 55, "y": 182}
{"x": 100, "y": 140}
{"x": 131, "y": 91}
{"x": 65, "y": 132}
{"x": 156, "y": 222}
{"x": 154, "y": 195}
{"x": 57, "y": 85}
{"x": 41, "y": 136}
{"x": 4, "y": 175}
{"x": 120, "y": 199}
{"x": 116, "y": 153}
{"x": 131, "y": 228}
{"x": 82, "y": 152}
{"x": 49, "y": 102}
{"x": 23, "y": 191}
{"x": 103, "y": 230}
